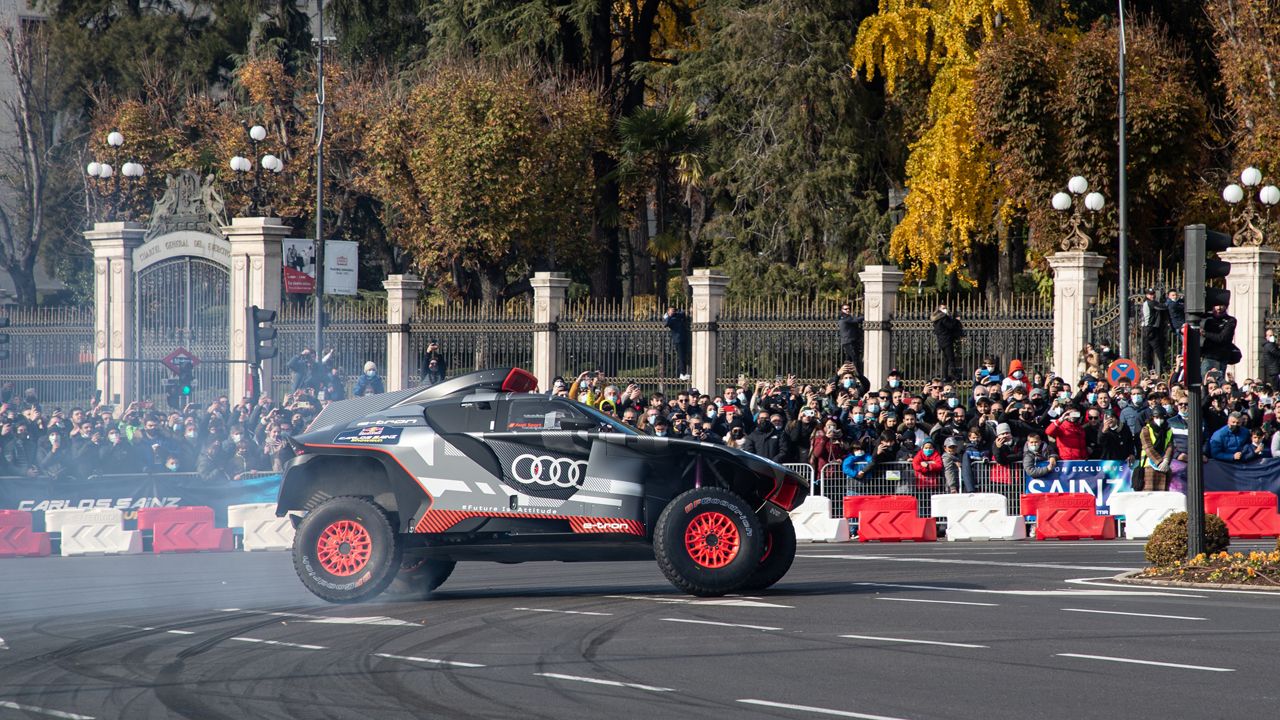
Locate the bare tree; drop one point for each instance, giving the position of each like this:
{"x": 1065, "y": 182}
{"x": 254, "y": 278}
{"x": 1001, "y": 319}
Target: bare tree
{"x": 24, "y": 169}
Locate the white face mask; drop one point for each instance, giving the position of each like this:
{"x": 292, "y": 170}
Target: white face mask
{"x": 1157, "y": 421}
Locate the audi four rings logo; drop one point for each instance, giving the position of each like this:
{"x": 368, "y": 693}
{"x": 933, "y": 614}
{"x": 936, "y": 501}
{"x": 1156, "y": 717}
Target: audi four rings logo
{"x": 547, "y": 470}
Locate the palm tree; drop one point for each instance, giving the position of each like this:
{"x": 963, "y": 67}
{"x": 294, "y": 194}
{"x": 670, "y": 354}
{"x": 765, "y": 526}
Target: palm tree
{"x": 661, "y": 149}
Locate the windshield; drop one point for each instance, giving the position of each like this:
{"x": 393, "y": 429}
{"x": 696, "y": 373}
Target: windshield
{"x": 607, "y": 424}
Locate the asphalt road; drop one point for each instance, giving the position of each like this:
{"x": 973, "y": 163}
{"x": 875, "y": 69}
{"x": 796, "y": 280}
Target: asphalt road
{"x": 946, "y": 630}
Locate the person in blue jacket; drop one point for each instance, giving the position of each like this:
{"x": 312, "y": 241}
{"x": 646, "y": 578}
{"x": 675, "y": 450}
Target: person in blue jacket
{"x": 1231, "y": 442}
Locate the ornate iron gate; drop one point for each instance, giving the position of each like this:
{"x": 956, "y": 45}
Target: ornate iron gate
{"x": 183, "y": 302}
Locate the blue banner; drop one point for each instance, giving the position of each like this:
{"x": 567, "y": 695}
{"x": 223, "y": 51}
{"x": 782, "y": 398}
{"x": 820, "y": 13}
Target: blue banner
{"x": 131, "y": 493}
{"x": 1099, "y": 478}
{"x": 1261, "y": 474}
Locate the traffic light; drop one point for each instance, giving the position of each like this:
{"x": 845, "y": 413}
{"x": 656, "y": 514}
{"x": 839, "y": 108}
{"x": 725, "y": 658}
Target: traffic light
{"x": 4, "y": 339}
{"x": 260, "y": 333}
{"x": 178, "y": 390}
{"x": 1200, "y": 268}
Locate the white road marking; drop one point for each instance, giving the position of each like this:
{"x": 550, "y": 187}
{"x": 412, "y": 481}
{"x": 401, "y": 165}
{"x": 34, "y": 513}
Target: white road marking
{"x": 431, "y": 661}
{"x": 941, "y": 602}
{"x": 1171, "y": 591}
{"x": 1029, "y": 593}
{"x": 611, "y": 683}
{"x": 818, "y": 710}
{"x": 729, "y": 601}
{"x": 563, "y": 612}
{"x": 280, "y": 643}
{"x": 151, "y": 629}
{"x": 3, "y": 646}
{"x": 1146, "y": 662}
{"x": 326, "y": 620}
{"x": 720, "y": 624}
{"x": 912, "y": 642}
{"x": 1133, "y": 614}
{"x": 991, "y": 563}
{"x": 43, "y": 711}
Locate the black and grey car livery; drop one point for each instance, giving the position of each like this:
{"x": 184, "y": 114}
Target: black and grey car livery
{"x": 397, "y": 488}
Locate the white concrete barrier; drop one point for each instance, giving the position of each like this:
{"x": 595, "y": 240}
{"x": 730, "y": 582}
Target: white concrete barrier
{"x": 262, "y": 529}
{"x": 977, "y": 516}
{"x": 94, "y": 531}
{"x": 813, "y": 521}
{"x": 1142, "y": 511}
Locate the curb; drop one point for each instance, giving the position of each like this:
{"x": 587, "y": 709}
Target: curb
{"x": 1132, "y": 578}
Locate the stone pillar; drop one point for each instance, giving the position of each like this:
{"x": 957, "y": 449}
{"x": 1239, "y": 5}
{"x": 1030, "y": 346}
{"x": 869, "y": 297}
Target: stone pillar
{"x": 1075, "y": 284}
{"x": 880, "y": 285}
{"x": 255, "y": 280}
{"x": 113, "y": 304}
{"x": 550, "y": 292}
{"x": 708, "y": 287}
{"x": 402, "y": 302}
{"x": 1251, "y": 283}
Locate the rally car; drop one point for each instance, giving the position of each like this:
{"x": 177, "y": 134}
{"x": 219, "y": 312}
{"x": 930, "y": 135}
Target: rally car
{"x": 397, "y": 488}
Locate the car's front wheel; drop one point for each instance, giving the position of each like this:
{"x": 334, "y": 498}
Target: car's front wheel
{"x": 708, "y": 541}
{"x": 418, "y": 576}
{"x": 779, "y": 553}
{"x": 346, "y": 550}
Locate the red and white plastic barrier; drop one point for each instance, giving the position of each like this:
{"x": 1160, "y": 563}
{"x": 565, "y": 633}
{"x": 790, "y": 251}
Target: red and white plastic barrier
{"x": 262, "y": 529}
{"x": 184, "y": 529}
{"x": 1143, "y": 511}
{"x": 1247, "y": 514}
{"x": 813, "y": 522}
{"x": 893, "y": 518}
{"x": 93, "y": 531}
{"x": 977, "y": 516}
{"x": 17, "y": 539}
{"x": 1071, "y": 516}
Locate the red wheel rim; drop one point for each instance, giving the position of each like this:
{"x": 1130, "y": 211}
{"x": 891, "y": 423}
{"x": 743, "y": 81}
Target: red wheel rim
{"x": 712, "y": 540}
{"x": 344, "y": 548}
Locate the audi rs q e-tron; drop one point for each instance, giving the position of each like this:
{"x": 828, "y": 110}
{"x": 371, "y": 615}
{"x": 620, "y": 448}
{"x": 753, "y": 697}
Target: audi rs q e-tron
{"x": 393, "y": 490}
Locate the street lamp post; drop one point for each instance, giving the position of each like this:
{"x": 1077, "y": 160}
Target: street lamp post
{"x": 1253, "y": 225}
{"x": 105, "y": 180}
{"x": 1079, "y": 229}
{"x": 242, "y": 166}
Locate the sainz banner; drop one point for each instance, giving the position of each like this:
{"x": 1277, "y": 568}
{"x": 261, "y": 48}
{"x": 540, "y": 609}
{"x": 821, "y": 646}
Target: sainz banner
{"x": 131, "y": 493}
{"x": 1099, "y": 478}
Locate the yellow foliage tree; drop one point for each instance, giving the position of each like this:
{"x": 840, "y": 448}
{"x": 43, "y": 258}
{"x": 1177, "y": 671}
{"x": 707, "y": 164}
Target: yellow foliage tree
{"x": 951, "y": 197}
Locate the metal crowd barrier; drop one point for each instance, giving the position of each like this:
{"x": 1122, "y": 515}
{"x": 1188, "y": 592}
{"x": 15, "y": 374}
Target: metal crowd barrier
{"x": 804, "y": 470}
{"x": 899, "y": 478}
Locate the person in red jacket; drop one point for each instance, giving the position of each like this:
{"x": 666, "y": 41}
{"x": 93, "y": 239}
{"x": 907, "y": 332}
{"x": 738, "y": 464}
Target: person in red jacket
{"x": 928, "y": 465}
{"x": 1068, "y": 432}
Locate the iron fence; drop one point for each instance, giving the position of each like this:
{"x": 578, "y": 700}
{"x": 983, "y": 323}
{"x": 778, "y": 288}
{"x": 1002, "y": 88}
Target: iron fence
{"x": 899, "y": 478}
{"x": 50, "y": 351}
{"x": 771, "y": 338}
{"x": 624, "y": 340}
{"x": 356, "y": 331}
{"x": 1104, "y": 322}
{"x": 472, "y": 336}
{"x": 1019, "y": 328}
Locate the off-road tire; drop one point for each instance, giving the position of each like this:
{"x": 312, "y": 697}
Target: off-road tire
{"x": 346, "y": 550}
{"x": 418, "y": 577}
{"x": 721, "y": 529}
{"x": 779, "y": 553}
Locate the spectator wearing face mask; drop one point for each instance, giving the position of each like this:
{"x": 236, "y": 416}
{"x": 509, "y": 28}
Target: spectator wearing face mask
{"x": 974, "y": 452}
{"x": 798, "y": 436}
{"x": 1136, "y": 413}
{"x": 927, "y": 464}
{"x": 1157, "y": 453}
{"x": 1017, "y": 377}
{"x": 1231, "y": 442}
{"x": 661, "y": 427}
{"x": 828, "y": 446}
{"x": 987, "y": 372}
{"x": 1271, "y": 359}
{"x": 766, "y": 439}
{"x": 1068, "y": 432}
{"x": 369, "y": 382}
{"x": 1113, "y": 442}
{"x": 1038, "y": 459}
{"x": 1005, "y": 449}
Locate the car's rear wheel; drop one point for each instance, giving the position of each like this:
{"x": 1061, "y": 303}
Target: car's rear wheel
{"x": 708, "y": 541}
{"x": 779, "y": 553}
{"x": 419, "y": 576}
{"x": 345, "y": 550}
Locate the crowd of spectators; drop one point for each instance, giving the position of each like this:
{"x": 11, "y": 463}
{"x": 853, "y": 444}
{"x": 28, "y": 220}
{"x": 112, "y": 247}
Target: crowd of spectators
{"x": 1006, "y": 415}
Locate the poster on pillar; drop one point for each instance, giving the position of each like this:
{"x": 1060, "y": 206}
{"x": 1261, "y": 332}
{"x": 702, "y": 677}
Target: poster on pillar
{"x": 299, "y": 265}
{"x": 341, "y": 267}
